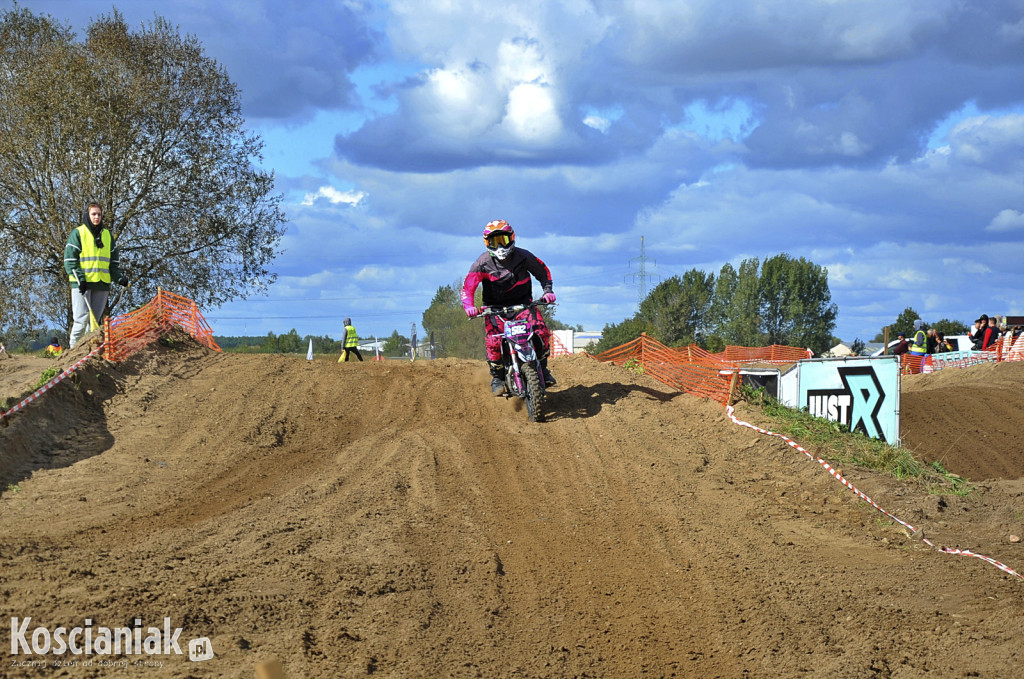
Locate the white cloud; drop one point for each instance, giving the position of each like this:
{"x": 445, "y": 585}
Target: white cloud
{"x": 598, "y": 123}
{"x": 375, "y": 273}
{"x": 532, "y": 115}
{"x": 334, "y": 196}
{"x": 990, "y": 140}
{"x": 851, "y": 145}
{"x": 1006, "y": 220}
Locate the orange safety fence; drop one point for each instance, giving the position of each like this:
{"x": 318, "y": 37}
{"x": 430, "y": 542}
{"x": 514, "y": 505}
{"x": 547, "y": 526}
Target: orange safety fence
{"x": 699, "y": 372}
{"x": 1005, "y": 349}
{"x": 776, "y": 353}
{"x": 126, "y": 334}
{"x": 689, "y": 369}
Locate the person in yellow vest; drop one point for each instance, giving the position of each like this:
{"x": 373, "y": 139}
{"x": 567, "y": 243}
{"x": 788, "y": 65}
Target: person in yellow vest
{"x": 351, "y": 342}
{"x": 919, "y": 345}
{"x": 91, "y": 262}
{"x": 54, "y": 349}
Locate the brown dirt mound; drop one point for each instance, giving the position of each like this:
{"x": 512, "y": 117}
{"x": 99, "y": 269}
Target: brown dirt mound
{"x": 968, "y": 419}
{"x": 395, "y": 519}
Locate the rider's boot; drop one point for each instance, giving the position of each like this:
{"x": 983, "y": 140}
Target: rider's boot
{"x": 497, "y": 378}
{"x": 549, "y": 379}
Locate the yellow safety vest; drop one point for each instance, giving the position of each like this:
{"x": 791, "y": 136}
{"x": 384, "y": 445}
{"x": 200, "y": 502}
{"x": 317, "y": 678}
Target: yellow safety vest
{"x": 920, "y": 344}
{"x": 95, "y": 262}
{"x": 351, "y": 339}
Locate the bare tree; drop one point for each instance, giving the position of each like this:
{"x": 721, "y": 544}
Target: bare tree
{"x": 149, "y": 127}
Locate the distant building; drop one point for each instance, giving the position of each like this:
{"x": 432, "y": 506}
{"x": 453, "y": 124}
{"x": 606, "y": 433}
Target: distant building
{"x": 576, "y": 341}
{"x": 839, "y": 350}
{"x": 582, "y": 339}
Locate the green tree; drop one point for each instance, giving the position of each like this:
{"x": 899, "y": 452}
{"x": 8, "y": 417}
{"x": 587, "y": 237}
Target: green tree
{"x": 455, "y": 335}
{"x": 796, "y": 306}
{"x": 736, "y": 304}
{"x": 725, "y": 292}
{"x": 147, "y": 125}
{"x": 948, "y": 327}
{"x": 325, "y": 345}
{"x": 291, "y": 343}
{"x": 678, "y": 309}
{"x": 743, "y": 323}
{"x": 396, "y": 345}
{"x": 270, "y": 344}
{"x": 617, "y": 334}
{"x": 903, "y": 323}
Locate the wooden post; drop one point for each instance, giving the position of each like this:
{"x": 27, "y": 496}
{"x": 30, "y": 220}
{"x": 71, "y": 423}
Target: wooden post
{"x": 885, "y": 341}
{"x": 108, "y": 349}
{"x": 733, "y": 385}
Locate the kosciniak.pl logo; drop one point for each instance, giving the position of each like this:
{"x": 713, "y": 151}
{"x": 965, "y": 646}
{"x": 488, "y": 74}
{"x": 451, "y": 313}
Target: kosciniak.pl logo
{"x": 101, "y": 641}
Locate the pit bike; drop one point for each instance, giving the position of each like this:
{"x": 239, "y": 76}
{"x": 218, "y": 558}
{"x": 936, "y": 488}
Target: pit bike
{"x": 524, "y": 377}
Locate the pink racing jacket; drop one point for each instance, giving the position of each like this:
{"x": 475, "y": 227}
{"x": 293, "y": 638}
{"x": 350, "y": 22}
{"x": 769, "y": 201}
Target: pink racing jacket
{"x": 505, "y": 282}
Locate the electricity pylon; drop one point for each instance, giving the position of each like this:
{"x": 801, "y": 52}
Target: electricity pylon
{"x": 641, "y": 277}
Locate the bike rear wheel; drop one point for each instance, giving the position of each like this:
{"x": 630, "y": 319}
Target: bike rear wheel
{"x": 534, "y": 394}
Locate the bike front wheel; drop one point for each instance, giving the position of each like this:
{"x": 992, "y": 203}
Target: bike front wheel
{"x": 534, "y": 394}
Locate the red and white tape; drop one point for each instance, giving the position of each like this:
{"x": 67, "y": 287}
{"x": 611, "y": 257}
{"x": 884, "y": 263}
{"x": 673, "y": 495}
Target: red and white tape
{"x": 839, "y": 477}
{"x": 52, "y": 383}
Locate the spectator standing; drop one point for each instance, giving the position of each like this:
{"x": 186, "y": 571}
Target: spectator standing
{"x": 919, "y": 345}
{"x": 989, "y": 335}
{"x": 977, "y": 328}
{"x": 91, "y": 261}
{"x": 902, "y": 346}
{"x": 932, "y": 341}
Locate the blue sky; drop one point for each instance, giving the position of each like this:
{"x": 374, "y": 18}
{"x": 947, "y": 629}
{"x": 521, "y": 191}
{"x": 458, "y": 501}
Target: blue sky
{"x": 881, "y": 139}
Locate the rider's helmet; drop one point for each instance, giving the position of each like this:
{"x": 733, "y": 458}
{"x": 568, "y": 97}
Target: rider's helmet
{"x": 499, "y": 238}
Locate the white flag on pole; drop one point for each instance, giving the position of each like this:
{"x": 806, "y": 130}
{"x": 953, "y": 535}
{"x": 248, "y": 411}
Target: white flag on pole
{"x": 309, "y": 352}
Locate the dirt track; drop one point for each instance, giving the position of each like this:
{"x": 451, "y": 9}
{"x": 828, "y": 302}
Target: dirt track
{"x": 395, "y": 519}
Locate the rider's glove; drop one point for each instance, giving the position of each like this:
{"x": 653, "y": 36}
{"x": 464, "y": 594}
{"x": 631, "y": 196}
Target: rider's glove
{"x": 548, "y": 298}
{"x": 471, "y": 311}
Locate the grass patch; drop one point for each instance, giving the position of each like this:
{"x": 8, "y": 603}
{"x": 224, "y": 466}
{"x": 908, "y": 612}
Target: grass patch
{"x": 837, "y": 444}
{"x": 634, "y": 365}
{"x": 47, "y": 375}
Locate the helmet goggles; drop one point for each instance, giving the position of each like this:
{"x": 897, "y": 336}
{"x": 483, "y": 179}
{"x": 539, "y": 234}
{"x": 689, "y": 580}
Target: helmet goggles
{"x": 499, "y": 239}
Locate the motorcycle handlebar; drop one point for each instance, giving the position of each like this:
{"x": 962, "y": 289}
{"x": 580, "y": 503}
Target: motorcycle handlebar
{"x": 493, "y": 311}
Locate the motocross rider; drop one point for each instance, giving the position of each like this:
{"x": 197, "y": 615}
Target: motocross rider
{"x": 505, "y": 272}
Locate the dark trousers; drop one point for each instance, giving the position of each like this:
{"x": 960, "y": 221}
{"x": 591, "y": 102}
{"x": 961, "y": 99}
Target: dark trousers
{"x": 352, "y": 350}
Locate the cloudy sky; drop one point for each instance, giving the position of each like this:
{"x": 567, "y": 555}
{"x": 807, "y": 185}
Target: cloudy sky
{"x": 881, "y": 139}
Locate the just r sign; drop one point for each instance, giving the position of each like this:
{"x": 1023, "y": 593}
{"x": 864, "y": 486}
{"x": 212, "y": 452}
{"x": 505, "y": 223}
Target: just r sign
{"x": 862, "y": 393}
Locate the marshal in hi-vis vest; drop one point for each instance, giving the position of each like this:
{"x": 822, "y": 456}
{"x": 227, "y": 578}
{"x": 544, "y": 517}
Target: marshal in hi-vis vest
{"x": 95, "y": 262}
{"x": 920, "y": 343}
